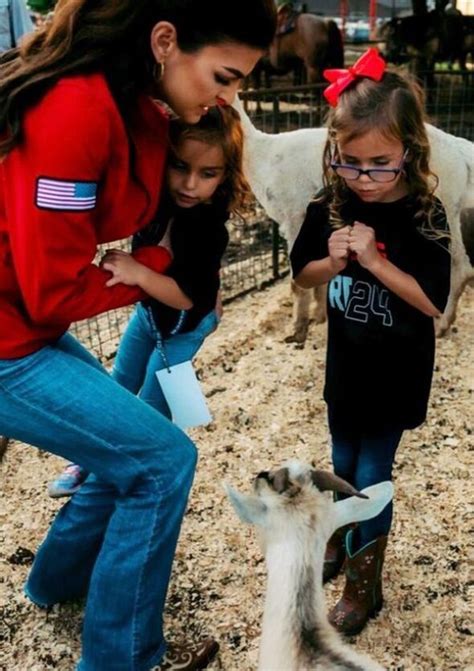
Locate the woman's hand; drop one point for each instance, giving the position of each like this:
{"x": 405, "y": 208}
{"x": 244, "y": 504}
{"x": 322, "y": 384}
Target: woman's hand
{"x": 338, "y": 245}
{"x": 124, "y": 268}
{"x": 362, "y": 242}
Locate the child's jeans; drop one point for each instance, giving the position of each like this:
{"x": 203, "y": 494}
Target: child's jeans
{"x": 115, "y": 539}
{"x": 138, "y": 357}
{"x": 365, "y": 460}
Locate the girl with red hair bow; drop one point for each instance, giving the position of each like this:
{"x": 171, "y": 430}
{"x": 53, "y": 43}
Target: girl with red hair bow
{"x": 377, "y": 235}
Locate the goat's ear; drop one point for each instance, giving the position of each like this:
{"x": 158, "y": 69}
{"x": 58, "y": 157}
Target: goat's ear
{"x": 249, "y": 508}
{"x": 356, "y": 509}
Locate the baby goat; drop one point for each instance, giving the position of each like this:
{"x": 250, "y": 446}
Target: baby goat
{"x": 294, "y": 521}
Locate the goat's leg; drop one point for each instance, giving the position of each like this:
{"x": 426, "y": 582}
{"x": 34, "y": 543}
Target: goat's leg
{"x": 461, "y": 273}
{"x": 443, "y": 323}
{"x": 301, "y": 305}
{"x": 320, "y": 294}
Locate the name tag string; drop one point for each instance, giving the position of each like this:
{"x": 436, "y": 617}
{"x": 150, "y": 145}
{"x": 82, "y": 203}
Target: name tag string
{"x": 160, "y": 346}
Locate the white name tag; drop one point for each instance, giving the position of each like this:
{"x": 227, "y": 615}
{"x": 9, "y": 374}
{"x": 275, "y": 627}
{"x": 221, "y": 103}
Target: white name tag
{"x": 184, "y": 396}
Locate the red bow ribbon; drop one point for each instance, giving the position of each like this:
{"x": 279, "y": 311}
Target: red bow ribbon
{"x": 370, "y": 64}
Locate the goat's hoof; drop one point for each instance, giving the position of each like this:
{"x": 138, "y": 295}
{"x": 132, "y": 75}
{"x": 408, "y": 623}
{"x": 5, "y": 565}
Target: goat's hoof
{"x": 441, "y": 329}
{"x": 298, "y": 337}
{"x": 319, "y": 318}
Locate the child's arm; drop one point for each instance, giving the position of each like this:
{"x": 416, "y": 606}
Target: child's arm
{"x": 362, "y": 242}
{"x": 323, "y": 270}
{"x": 126, "y": 270}
{"x": 318, "y": 253}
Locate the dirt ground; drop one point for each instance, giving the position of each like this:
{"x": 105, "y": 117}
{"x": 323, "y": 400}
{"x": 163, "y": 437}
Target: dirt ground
{"x": 265, "y": 396}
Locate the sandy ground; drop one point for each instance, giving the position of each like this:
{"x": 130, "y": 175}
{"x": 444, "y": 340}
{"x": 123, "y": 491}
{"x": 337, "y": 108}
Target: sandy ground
{"x": 266, "y": 399}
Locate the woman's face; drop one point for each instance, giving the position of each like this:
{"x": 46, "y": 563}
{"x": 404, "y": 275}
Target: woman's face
{"x": 193, "y": 82}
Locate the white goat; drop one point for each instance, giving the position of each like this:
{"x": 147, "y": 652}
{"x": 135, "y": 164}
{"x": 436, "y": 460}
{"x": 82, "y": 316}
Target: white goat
{"x": 285, "y": 172}
{"x": 295, "y": 520}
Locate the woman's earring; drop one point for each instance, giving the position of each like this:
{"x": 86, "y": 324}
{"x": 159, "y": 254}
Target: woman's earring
{"x": 158, "y": 71}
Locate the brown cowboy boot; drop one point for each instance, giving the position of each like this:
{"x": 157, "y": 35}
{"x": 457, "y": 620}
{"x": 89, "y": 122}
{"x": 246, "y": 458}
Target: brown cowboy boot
{"x": 335, "y": 554}
{"x": 188, "y": 656}
{"x": 362, "y": 596}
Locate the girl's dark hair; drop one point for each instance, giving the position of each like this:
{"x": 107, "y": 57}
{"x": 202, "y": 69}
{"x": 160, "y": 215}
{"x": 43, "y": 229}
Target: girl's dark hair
{"x": 394, "y": 107}
{"x": 113, "y": 37}
{"x": 220, "y": 127}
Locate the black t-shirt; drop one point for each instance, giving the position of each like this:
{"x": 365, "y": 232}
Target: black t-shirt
{"x": 380, "y": 352}
{"x": 198, "y": 239}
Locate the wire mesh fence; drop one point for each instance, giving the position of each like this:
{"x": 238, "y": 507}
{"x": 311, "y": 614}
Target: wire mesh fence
{"x": 256, "y": 255}
{"x": 449, "y": 105}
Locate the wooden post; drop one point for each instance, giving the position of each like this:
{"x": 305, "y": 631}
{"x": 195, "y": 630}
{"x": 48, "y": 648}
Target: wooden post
{"x": 372, "y": 18}
{"x": 343, "y": 12}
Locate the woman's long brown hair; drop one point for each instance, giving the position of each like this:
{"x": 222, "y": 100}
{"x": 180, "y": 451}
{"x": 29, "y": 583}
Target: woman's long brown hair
{"x": 113, "y": 37}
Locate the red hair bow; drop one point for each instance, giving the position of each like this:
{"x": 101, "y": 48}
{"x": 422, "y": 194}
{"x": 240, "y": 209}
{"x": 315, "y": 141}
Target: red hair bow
{"x": 370, "y": 64}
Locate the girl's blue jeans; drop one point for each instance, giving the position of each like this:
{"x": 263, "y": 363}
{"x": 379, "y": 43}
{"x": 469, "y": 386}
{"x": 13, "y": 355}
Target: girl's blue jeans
{"x": 138, "y": 358}
{"x": 365, "y": 460}
{"x": 115, "y": 539}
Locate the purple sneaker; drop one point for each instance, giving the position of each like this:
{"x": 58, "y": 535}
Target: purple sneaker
{"x": 68, "y": 482}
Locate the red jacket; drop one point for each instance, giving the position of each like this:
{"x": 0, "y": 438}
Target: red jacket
{"x": 70, "y": 185}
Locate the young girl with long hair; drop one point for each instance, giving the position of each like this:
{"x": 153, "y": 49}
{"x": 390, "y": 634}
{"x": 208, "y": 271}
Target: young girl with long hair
{"x": 83, "y": 143}
{"x": 204, "y": 183}
{"x": 378, "y": 236}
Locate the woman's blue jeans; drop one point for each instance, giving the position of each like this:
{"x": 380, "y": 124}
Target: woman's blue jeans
{"x": 138, "y": 358}
{"x": 365, "y": 460}
{"x": 115, "y": 539}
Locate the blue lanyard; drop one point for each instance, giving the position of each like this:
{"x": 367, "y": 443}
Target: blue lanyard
{"x": 160, "y": 345}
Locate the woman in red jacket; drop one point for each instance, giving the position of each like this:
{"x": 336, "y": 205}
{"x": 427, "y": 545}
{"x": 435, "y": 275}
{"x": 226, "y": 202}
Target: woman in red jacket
{"x": 83, "y": 143}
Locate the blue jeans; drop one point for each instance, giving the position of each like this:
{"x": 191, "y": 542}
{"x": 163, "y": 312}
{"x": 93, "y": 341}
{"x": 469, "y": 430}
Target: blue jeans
{"x": 115, "y": 539}
{"x": 365, "y": 460}
{"x": 138, "y": 358}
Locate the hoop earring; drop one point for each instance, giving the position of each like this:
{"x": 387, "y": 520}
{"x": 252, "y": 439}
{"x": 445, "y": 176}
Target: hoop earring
{"x": 158, "y": 71}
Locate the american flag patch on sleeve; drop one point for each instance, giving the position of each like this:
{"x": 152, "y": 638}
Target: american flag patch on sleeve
{"x": 65, "y": 195}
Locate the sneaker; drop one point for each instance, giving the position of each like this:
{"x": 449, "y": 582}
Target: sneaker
{"x": 188, "y": 656}
{"x": 68, "y": 482}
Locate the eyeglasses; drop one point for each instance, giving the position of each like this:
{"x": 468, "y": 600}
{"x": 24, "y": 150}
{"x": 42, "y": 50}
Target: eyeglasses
{"x": 351, "y": 173}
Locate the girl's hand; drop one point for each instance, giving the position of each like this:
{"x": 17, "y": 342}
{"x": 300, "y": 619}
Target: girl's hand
{"x": 339, "y": 248}
{"x": 124, "y": 268}
{"x": 362, "y": 242}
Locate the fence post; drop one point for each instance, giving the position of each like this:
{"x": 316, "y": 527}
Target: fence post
{"x": 276, "y": 114}
{"x": 275, "y": 250}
